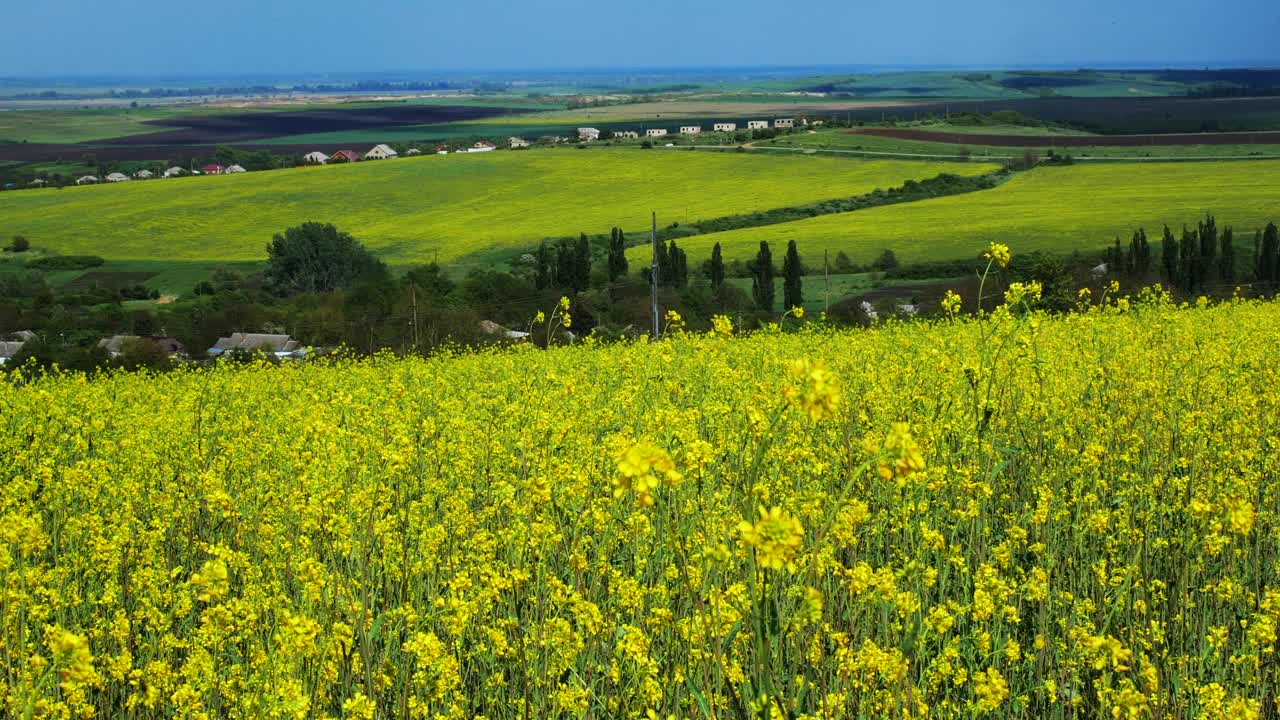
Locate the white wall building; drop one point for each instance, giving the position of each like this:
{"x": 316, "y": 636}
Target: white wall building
{"x": 757, "y": 124}
{"x": 588, "y": 134}
{"x": 316, "y": 158}
{"x": 380, "y": 152}
{"x": 117, "y": 177}
{"x": 725, "y": 127}
{"x": 690, "y": 130}
{"x": 517, "y": 143}
{"x": 655, "y": 132}
{"x": 626, "y": 135}
{"x": 784, "y": 123}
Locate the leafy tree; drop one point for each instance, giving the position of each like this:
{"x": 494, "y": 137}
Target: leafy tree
{"x": 762, "y": 279}
{"x": 792, "y": 293}
{"x": 887, "y": 261}
{"x": 19, "y": 244}
{"x": 543, "y": 267}
{"x": 315, "y": 257}
{"x": 430, "y": 280}
{"x": 1169, "y": 255}
{"x": 715, "y": 267}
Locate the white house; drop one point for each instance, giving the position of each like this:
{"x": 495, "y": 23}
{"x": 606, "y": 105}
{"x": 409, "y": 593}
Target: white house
{"x": 87, "y": 180}
{"x": 690, "y": 129}
{"x": 626, "y": 135}
{"x": 655, "y": 132}
{"x": 482, "y": 146}
{"x": 588, "y": 134}
{"x": 784, "y": 123}
{"x": 315, "y": 158}
{"x": 37, "y": 183}
{"x": 233, "y": 169}
{"x": 117, "y": 177}
{"x": 757, "y": 124}
{"x": 413, "y": 151}
{"x": 725, "y": 127}
{"x": 380, "y": 152}
{"x": 517, "y": 143}
{"x": 174, "y": 171}
{"x": 144, "y": 174}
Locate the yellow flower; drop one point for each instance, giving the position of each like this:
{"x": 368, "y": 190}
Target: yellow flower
{"x": 640, "y": 469}
{"x": 776, "y": 537}
{"x": 999, "y": 253}
{"x": 817, "y": 393}
{"x": 71, "y": 657}
{"x": 901, "y": 453}
{"x": 721, "y": 326}
{"x": 991, "y": 689}
{"x": 541, "y": 317}
{"x": 951, "y": 303}
{"x": 212, "y": 581}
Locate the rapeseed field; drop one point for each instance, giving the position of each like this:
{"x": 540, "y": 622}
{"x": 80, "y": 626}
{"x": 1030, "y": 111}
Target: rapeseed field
{"x": 1013, "y": 515}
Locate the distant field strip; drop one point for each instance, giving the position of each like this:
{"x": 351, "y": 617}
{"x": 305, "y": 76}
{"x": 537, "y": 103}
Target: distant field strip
{"x": 1027, "y": 140}
{"x": 1055, "y": 209}
{"x": 474, "y": 206}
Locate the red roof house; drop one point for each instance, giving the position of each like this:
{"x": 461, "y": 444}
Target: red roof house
{"x": 344, "y": 156}
{"x": 212, "y": 169}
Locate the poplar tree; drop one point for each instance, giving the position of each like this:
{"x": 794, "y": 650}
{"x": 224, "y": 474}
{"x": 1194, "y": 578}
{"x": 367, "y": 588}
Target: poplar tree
{"x": 715, "y": 269}
{"x": 581, "y": 274}
{"x": 762, "y": 278}
{"x": 617, "y": 254}
{"x": 792, "y": 293}
{"x": 1227, "y": 263}
{"x": 1169, "y": 254}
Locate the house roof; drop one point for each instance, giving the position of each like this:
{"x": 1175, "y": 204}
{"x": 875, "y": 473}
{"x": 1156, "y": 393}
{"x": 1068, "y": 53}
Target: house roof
{"x": 413, "y": 151}
{"x": 251, "y": 342}
{"x": 117, "y": 177}
{"x": 346, "y": 155}
{"x": 116, "y": 343}
{"x": 381, "y": 148}
{"x": 234, "y": 169}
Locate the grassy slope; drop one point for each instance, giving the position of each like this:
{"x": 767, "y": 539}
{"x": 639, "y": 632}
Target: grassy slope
{"x": 457, "y": 207}
{"x": 841, "y": 140}
{"x": 1059, "y": 209}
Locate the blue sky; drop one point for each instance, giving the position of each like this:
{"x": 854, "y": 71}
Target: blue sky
{"x": 162, "y": 37}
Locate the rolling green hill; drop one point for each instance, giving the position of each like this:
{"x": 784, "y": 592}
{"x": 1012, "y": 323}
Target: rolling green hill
{"x": 458, "y": 208}
{"x": 1055, "y": 209}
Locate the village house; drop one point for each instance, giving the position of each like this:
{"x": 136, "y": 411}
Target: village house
{"x": 757, "y": 124}
{"x": 212, "y": 169}
{"x": 144, "y": 175}
{"x": 87, "y": 180}
{"x": 725, "y": 127}
{"x": 116, "y": 345}
{"x": 517, "y": 143}
{"x": 412, "y": 151}
{"x": 10, "y": 347}
{"x": 626, "y": 135}
{"x": 174, "y": 171}
{"x": 281, "y": 346}
{"x": 344, "y": 156}
{"x": 482, "y": 146}
{"x": 117, "y": 177}
{"x": 588, "y": 134}
{"x": 442, "y": 149}
{"x": 315, "y": 158}
{"x": 690, "y": 130}
{"x": 380, "y": 152}
{"x": 655, "y": 132}
{"x": 233, "y": 169}
{"x": 784, "y": 123}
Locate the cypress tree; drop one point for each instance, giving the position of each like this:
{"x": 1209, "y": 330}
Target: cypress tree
{"x": 1146, "y": 251}
{"x": 581, "y": 264}
{"x": 617, "y": 254}
{"x": 792, "y": 293}
{"x": 762, "y": 279}
{"x": 1190, "y": 246}
{"x": 1208, "y": 231}
{"x": 715, "y": 269}
{"x": 543, "y": 267}
{"x": 663, "y": 264}
{"x": 1169, "y": 253}
{"x": 1257, "y": 255}
{"x": 1271, "y": 256}
{"x": 564, "y": 263}
{"x": 682, "y": 266}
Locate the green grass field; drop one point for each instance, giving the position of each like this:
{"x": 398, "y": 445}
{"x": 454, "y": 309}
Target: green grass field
{"x": 461, "y": 209}
{"x": 842, "y": 140}
{"x": 1054, "y": 209}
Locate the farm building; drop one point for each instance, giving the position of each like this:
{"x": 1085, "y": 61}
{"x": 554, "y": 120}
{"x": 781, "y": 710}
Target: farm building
{"x": 87, "y": 180}
{"x": 725, "y": 127}
{"x": 784, "y": 123}
{"x": 10, "y": 347}
{"x": 233, "y": 169}
{"x": 144, "y": 174}
{"x": 757, "y": 124}
{"x": 442, "y": 149}
{"x": 212, "y": 169}
{"x": 315, "y": 158}
{"x": 281, "y": 346}
{"x": 690, "y": 129}
{"x": 117, "y": 177}
{"x": 174, "y": 171}
{"x": 626, "y": 135}
{"x": 655, "y": 132}
{"x": 117, "y": 344}
{"x": 344, "y": 156}
{"x": 517, "y": 143}
{"x": 381, "y": 152}
{"x": 482, "y": 146}
{"x": 412, "y": 151}
{"x": 588, "y": 134}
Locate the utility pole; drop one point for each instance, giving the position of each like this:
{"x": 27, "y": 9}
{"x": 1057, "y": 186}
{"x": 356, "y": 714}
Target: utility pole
{"x": 653, "y": 274}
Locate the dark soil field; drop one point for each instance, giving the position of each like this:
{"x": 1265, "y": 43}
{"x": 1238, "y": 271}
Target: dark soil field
{"x": 241, "y": 127}
{"x": 1038, "y": 141}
